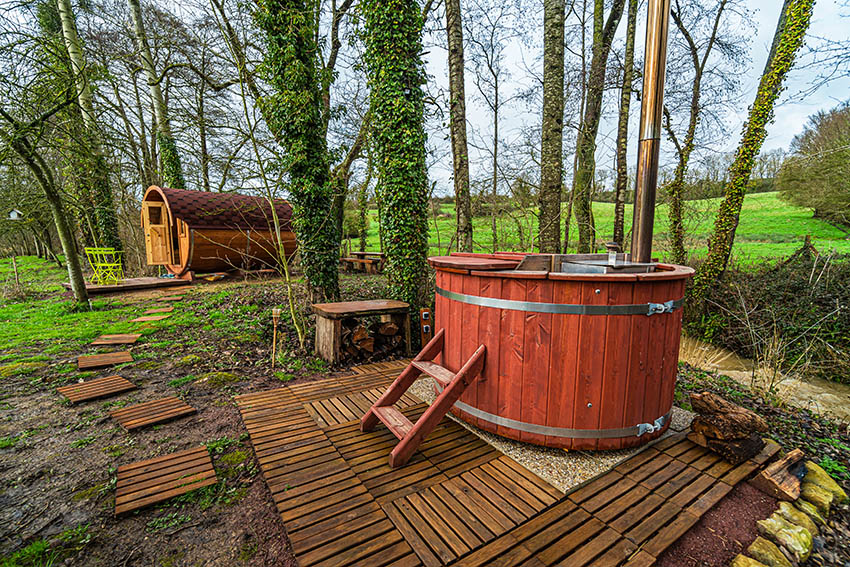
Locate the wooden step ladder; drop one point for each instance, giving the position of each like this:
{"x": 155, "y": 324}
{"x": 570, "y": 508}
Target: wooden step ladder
{"x": 410, "y": 434}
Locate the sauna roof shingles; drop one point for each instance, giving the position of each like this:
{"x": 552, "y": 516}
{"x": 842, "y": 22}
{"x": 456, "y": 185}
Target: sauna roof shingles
{"x": 202, "y": 209}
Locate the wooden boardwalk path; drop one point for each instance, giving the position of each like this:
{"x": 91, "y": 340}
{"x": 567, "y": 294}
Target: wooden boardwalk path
{"x": 459, "y": 500}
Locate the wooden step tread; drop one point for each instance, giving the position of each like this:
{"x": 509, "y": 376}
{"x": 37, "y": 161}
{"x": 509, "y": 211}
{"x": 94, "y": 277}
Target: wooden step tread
{"x": 101, "y": 360}
{"x": 116, "y": 339}
{"x": 395, "y": 421}
{"x": 97, "y": 388}
{"x": 148, "y": 318}
{"x": 442, "y": 375}
{"x": 149, "y": 413}
{"x": 148, "y": 482}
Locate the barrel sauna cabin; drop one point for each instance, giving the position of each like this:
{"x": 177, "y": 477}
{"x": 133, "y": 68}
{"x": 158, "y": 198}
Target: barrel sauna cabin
{"x": 192, "y": 232}
{"x": 582, "y": 350}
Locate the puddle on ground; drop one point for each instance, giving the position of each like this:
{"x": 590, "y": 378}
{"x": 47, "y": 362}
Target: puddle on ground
{"x": 821, "y": 396}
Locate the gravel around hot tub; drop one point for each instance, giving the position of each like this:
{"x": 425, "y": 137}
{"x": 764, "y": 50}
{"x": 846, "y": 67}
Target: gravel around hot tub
{"x": 562, "y": 469}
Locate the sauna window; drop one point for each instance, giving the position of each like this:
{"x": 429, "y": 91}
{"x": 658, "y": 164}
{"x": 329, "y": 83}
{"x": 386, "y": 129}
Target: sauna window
{"x": 155, "y": 215}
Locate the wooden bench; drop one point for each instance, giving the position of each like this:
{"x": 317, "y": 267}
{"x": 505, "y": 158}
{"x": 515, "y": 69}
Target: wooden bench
{"x": 329, "y": 318}
{"x": 381, "y": 257}
{"x": 370, "y": 265}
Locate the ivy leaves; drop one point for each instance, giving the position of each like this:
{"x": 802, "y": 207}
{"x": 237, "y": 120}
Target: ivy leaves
{"x": 291, "y": 66}
{"x": 393, "y": 36}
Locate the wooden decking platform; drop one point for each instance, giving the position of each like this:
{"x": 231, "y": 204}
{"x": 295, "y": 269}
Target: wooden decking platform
{"x": 130, "y": 284}
{"x": 95, "y": 389}
{"x": 149, "y": 413}
{"x": 147, "y": 482}
{"x": 459, "y": 500}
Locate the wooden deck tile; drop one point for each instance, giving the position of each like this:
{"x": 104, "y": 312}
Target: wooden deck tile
{"x": 92, "y": 361}
{"x": 147, "y": 482}
{"x": 97, "y": 388}
{"x": 149, "y": 413}
{"x": 168, "y": 309}
{"x": 148, "y": 318}
{"x": 115, "y": 340}
{"x": 459, "y": 501}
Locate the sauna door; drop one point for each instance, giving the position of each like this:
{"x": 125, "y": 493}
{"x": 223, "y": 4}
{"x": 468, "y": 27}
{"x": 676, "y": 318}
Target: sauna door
{"x": 157, "y": 241}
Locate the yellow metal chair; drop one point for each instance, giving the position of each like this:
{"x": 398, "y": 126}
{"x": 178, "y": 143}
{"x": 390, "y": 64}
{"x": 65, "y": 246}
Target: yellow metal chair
{"x": 106, "y": 264}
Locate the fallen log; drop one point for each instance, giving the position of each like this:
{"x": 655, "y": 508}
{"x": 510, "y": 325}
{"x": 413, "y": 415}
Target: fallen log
{"x": 723, "y": 420}
{"x": 736, "y": 451}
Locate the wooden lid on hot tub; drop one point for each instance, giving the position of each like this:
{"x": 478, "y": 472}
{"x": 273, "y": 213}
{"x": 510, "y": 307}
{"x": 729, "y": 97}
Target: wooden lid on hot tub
{"x": 470, "y": 261}
{"x": 504, "y": 264}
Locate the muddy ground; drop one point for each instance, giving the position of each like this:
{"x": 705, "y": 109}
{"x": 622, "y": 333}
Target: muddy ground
{"x": 57, "y": 477}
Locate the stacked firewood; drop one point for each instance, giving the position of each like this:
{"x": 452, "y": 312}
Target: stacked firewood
{"x": 733, "y": 432}
{"x": 369, "y": 341}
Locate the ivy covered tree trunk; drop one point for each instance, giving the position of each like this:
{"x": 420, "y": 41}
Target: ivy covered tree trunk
{"x": 98, "y": 171}
{"x": 552, "y": 130}
{"x": 603, "y": 36}
{"x": 621, "y": 186}
{"x": 393, "y": 37}
{"x": 787, "y": 41}
{"x": 172, "y": 171}
{"x": 457, "y": 112}
{"x": 294, "y": 109}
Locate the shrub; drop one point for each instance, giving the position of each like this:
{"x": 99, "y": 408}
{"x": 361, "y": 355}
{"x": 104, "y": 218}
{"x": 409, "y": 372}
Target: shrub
{"x": 799, "y": 308}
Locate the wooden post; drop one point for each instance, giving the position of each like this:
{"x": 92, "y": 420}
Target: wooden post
{"x": 275, "y": 318}
{"x": 15, "y": 269}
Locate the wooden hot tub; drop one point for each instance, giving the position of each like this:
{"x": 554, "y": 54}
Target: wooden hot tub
{"x": 574, "y": 360}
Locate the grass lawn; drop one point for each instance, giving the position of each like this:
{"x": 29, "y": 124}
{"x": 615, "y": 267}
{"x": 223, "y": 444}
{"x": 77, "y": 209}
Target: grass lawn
{"x": 769, "y": 228}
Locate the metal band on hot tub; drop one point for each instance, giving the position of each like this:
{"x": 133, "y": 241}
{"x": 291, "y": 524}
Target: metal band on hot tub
{"x": 564, "y": 308}
{"x": 635, "y": 430}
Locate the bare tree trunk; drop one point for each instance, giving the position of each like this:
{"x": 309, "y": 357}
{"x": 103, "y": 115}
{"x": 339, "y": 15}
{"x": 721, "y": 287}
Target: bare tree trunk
{"x": 172, "y": 171}
{"x": 22, "y": 146}
{"x": 552, "y": 131}
{"x": 684, "y": 149}
{"x": 622, "y": 183}
{"x": 787, "y": 40}
{"x": 104, "y": 209}
{"x": 603, "y": 36}
{"x": 457, "y": 113}
{"x": 495, "y": 180}
{"x": 202, "y": 138}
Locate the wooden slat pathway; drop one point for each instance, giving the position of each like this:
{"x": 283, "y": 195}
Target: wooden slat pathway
{"x": 103, "y": 360}
{"x": 147, "y": 482}
{"x": 149, "y": 413}
{"x": 103, "y": 340}
{"x": 147, "y": 318}
{"x": 627, "y": 516}
{"x": 349, "y": 407}
{"x": 168, "y": 309}
{"x": 171, "y": 298}
{"x": 459, "y": 500}
{"x": 94, "y": 389}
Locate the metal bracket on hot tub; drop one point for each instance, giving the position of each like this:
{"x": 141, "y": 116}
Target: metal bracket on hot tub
{"x": 656, "y": 425}
{"x": 658, "y": 308}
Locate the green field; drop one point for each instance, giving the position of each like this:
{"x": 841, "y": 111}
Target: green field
{"x": 770, "y": 228}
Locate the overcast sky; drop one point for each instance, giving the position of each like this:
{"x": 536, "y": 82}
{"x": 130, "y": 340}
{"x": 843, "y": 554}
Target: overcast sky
{"x": 793, "y": 110}
{"x": 831, "y": 20}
